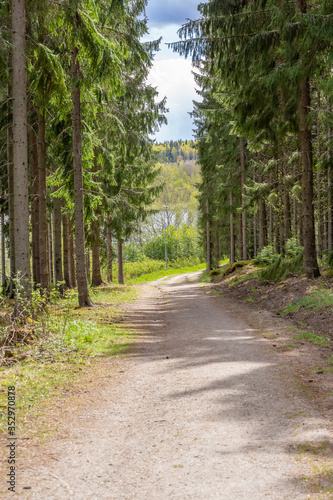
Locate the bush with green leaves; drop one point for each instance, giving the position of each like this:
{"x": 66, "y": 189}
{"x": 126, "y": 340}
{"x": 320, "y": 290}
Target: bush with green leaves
{"x": 283, "y": 269}
{"x": 267, "y": 256}
{"x": 328, "y": 258}
{"x": 135, "y": 269}
{"x": 133, "y": 252}
{"x": 293, "y": 248}
{"x": 185, "y": 262}
{"x": 182, "y": 243}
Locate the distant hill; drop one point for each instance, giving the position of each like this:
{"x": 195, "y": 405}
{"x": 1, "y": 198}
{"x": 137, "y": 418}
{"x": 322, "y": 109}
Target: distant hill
{"x": 176, "y": 152}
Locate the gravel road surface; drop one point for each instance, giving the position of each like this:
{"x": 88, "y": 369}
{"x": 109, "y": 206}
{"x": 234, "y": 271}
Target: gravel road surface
{"x": 204, "y": 410}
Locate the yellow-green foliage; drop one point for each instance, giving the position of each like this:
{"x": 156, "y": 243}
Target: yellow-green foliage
{"x": 319, "y": 299}
{"x": 236, "y": 265}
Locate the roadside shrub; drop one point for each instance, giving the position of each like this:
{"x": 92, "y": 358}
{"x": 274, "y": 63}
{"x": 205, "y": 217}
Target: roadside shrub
{"x": 282, "y": 269}
{"x": 267, "y": 256}
{"x": 328, "y": 258}
{"x": 135, "y": 269}
{"x": 182, "y": 243}
{"x": 133, "y": 252}
{"x": 185, "y": 262}
{"x": 293, "y": 248}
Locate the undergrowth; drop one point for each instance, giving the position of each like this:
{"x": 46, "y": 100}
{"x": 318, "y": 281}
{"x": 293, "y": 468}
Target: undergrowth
{"x": 64, "y": 340}
{"x": 315, "y": 339}
{"x": 282, "y": 269}
{"x": 319, "y": 299}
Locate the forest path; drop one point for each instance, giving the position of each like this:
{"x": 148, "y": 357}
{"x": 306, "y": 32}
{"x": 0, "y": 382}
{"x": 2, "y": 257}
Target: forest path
{"x": 204, "y": 410}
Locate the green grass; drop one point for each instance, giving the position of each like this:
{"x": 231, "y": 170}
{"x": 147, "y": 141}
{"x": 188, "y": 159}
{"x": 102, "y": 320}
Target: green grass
{"x": 67, "y": 338}
{"x": 145, "y": 278}
{"x": 315, "y": 339}
{"x": 319, "y": 299}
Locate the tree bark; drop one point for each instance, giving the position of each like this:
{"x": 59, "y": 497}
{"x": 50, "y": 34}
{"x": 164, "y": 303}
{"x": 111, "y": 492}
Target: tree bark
{"x": 20, "y": 151}
{"x": 329, "y": 192}
{"x": 287, "y": 215}
{"x": 96, "y": 279}
{"x": 232, "y": 231}
{"x": 57, "y": 244}
{"x": 120, "y": 263}
{"x": 72, "y": 258}
{"x": 262, "y": 221}
{"x": 10, "y": 169}
{"x": 43, "y": 225}
{"x": 50, "y": 253}
{"x": 3, "y": 251}
{"x": 216, "y": 245}
{"x": 208, "y": 238}
{"x": 66, "y": 252}
{"x": 34, "y": 182}
{"x": 109, "y": 252}
{"x": 243, "y": 179}
{"x": 240, "y": 237}
{"x": 271, "y": 219}
{"x": 88, "y": 263}
{"x": 329, "y": 212}
{"x": 319, "y": 186}
{"x": 81, "y": 272}
{"x": 308, "y": 222}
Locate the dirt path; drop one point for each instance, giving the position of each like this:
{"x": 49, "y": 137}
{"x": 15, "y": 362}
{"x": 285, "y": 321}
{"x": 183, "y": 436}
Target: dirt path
{"x": 204, "y": 410}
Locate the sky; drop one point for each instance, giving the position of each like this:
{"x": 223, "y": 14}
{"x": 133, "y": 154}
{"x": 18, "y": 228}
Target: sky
{"x": 171, "y": 74}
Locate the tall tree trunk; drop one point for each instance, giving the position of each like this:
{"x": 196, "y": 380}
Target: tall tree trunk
{"x": 330, "y": 210}
{"x": 11, "y": 196}
{"x": 286, "y": 205}
{"x": 255, "y": 234}
{"x": 34, "y": 181}
{"x": 240, "y": 237}
{"x": 319, "y": 186}
{"x": 308, "y": 223}
{"x": 57, "y": 244}
{"x": 262, "y": 220}
{"x": 287, "y": 215}
{"x": 20, "y": 150}
{"x": 216, "y": 245}
{"x": 43, "y": 225}
{"x": 3, "y": 251}
{"x": 243, "y": 179}
{"x": 329, "y": 191}
{"x": 81, "y": 272}
{"x": 96, "y": 279}
{"x": 88, "y": 263}
{"x": 72, "y": 259}
{"x": 109, "y": 251}
{"x": 66, "y": 252}
{"x": 309, "y": 238}
{"x": 271, "y": 218}
{"x": 208, "y": 238}
{"x": 120, "y": 263}
{"x": 232, "y": 230}
{"x": 50, "y": 253}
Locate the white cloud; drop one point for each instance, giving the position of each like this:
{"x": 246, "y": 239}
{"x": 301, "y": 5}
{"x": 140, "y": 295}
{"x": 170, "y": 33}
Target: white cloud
{"x": 171, "y": 73}
{"x": 173, "y": 78}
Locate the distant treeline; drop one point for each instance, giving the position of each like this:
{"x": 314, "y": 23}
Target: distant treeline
{"x": 176, "y": 151}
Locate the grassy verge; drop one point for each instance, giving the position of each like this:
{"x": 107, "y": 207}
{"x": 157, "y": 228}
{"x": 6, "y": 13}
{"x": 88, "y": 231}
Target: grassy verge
{"x": 315, "y": 339}
{"x": 63, "y": 342}
{"x": 319, "y": 299}
{"x": 145, "y": 278}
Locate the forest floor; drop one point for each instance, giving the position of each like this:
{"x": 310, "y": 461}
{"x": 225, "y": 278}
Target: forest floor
{"x": 213, "y": 401}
